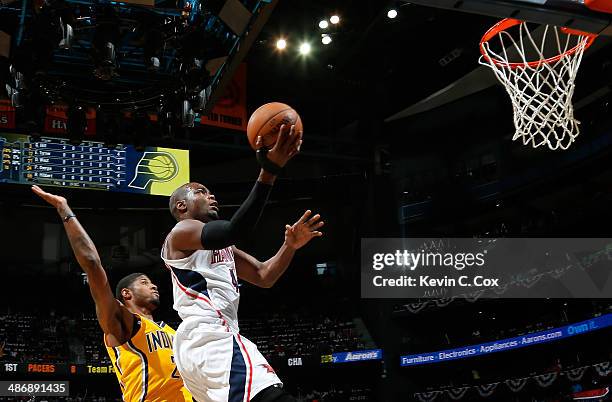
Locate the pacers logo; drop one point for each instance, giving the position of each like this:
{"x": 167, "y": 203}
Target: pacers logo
{"x": 154, "y": 167}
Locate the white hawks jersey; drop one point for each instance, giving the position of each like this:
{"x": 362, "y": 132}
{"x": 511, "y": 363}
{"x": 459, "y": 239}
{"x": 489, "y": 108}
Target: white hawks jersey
{"x": 205, "y": 287}
{"x": 217, "y": 363}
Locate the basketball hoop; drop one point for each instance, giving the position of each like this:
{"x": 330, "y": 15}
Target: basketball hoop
{"x": 539, "y": 75}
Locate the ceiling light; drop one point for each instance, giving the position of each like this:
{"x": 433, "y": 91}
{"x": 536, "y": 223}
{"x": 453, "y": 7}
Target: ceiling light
{"x": 326, "y": 39}
{"x": 281, "y": 44}
{"x": 392, "y": 13}
{"x": 323, "y": 24}
{"x": 334, "y": 19}
{"x": 305, "y": 48}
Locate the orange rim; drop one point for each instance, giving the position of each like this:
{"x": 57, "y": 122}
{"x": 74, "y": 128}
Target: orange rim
{"x": 508, "y": 23}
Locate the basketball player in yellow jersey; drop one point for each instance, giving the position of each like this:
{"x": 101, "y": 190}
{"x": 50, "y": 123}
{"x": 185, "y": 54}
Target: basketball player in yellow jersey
{"x": 140, "y": 349}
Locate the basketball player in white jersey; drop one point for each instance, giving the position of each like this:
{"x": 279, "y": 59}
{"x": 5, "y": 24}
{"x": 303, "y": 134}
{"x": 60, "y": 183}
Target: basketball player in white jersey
{"x": 217, "y": 363}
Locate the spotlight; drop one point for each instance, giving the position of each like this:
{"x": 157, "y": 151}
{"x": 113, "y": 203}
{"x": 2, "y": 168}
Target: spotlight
{"x": 67, "y": 35}
{"x": 166, "y": 123}
{"x": 151, "y": 50}
{"x": 323, "y": 24}
{"x": 15, "y": 91}
{"x": 198, "y": 101}
{"x": 195, "y": 75}
{"x": 103, "y": 44}
{"x": 153, "y": 42}
{"x": 392, "y": 13}
{"x": 326, "y": 39}
{"x": 334, "y": 19}
{"x": 65, "y": 22}
{"x": 52, "y": 28}
{"x": 76, "y": 124}
{"x": 305, "y": 48}
{"x": 187, "y": 114}
{"x": 281, "y": 44}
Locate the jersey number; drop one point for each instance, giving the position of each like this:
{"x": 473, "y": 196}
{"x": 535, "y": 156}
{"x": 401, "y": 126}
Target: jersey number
{"x": 175, "y": 373}
{"x": 234, "y": 280}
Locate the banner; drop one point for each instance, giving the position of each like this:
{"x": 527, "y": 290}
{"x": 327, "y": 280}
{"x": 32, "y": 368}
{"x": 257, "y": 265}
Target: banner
{"x": 230, "y": 110}
{"x": 543, "y": 380}
{"x": 509, "y": 343}
{"x": 355, "y": 356}
{"x": 56, "y": 118}
{"x": 56, "y": 368}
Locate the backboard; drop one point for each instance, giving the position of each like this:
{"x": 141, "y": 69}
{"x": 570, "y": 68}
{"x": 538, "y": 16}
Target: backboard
{"x": 573, "y": 14}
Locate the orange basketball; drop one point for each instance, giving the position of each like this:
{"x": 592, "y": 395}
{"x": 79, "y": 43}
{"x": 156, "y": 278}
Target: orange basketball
{"x": 267, "y": 120}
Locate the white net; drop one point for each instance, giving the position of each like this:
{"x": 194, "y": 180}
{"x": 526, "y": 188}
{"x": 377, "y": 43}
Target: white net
{"x": 539, "y": 73}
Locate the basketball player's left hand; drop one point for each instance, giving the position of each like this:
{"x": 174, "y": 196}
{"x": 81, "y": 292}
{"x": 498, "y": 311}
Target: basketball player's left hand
{"x": 55, "y": 200}
{"x": 302, "y": 231}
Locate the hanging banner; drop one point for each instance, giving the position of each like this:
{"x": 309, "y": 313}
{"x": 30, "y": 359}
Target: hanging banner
{"x": 56, "y": 118}
{"x": 230, "y": 110}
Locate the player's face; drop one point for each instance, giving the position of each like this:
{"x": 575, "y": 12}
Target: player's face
{"x": 202, "y": 203}
{"x": 145, "y": 292}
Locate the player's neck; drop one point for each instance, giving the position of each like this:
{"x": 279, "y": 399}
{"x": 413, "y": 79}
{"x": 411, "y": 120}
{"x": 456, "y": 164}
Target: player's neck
{"x": 141, "y": 311}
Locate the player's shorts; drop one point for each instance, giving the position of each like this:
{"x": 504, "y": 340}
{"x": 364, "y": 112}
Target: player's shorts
{"x": 220, "y": 366}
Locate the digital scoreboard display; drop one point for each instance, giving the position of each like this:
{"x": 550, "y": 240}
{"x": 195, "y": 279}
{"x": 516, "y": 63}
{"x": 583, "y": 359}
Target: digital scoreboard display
{"x": 91, "y": 165}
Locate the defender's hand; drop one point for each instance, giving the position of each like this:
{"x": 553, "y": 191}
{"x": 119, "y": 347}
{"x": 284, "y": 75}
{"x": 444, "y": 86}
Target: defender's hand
{"x": 301, "y": 232}
{"x": 55, "y": 200}
{"x": 287, "y": 145}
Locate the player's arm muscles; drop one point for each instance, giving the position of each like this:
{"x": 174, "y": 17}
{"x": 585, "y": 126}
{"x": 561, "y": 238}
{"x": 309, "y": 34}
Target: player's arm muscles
{"x": 263, "y": 274}
{"x": 115, "y": 320}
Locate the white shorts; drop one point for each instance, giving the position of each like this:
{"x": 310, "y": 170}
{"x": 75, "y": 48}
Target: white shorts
{"x": 220, "y": 366}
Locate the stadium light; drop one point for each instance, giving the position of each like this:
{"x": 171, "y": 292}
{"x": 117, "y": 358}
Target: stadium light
{"x": 281, "y": 44}
{"x": 305, "y": 48}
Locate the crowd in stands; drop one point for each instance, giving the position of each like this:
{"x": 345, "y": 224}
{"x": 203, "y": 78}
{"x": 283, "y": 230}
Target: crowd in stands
{"x": 78, "y": 339}
{"x": 426, "y": 184}
{"x": 342, "y": 393}
{"x": 497, "y": 319}
{"x": 17, "y": 331}
{"x": 281, "y": 336}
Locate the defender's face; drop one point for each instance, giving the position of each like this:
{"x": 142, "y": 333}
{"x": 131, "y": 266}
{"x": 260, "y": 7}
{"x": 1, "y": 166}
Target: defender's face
{"x": 145, "y": 292}
{"x": 201, "y": 203}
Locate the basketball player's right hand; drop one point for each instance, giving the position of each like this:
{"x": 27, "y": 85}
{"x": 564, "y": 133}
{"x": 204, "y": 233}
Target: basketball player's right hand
{"x": 52, "y": 199}
{"x": 287, "y": 145}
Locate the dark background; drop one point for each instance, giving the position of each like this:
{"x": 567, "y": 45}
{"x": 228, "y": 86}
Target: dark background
{"x": 449, "y": 172}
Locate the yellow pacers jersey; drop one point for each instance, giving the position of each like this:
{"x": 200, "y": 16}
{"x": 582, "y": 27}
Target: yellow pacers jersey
{"x": 145, "y": 366}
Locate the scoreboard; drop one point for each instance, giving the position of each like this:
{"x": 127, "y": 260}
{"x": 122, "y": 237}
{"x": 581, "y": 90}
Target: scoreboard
{"x": 91, "y": 165}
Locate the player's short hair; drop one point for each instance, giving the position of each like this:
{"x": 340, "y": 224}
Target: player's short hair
{"x": 126, "y": 283}
{"x": 177, "y": 195}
